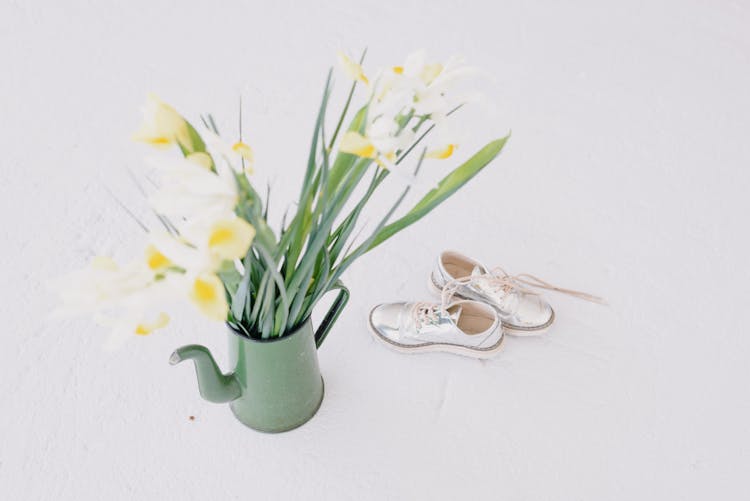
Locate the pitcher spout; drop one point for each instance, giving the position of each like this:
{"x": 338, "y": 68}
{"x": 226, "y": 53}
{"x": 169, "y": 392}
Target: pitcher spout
{"x": 212, "y": 384}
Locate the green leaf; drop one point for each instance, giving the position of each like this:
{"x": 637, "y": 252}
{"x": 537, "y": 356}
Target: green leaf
{"x": 301, "y": 222}
{"x": 229, "y": 276}
{"x": 445, "y": 188}
{"x": 345, "y": 161}
{"x": 350, "y": 258}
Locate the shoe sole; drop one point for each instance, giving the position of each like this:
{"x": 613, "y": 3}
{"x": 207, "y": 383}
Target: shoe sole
{"x": 455, "y": 349}
{"x": 516, "y": 331}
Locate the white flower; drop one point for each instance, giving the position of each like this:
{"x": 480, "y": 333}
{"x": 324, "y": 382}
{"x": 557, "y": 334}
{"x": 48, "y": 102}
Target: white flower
{"x": 189, "y": 190}
{"x": 401, "y": 96}
{"x": 206, "y": 244}
{"x": 129, "y": 299}
{"x": 102, "y": 284}
{"x": 383, "y": 137}
{"x": 444, "y": 141}
{"x": 352, "y": 69}
{"x": 235, "y": 154}
{"x": 207, "y": 293}
{"x": 433, "y": 84}
{"x": 199, "y": 251}
{"x": 162, "y": 125}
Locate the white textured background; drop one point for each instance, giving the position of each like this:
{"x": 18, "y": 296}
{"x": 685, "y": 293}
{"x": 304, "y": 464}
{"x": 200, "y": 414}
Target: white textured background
{"x": 627, "y": 175}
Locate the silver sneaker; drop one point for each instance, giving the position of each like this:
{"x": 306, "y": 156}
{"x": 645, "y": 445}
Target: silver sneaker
{"x": 467, "y": 328}
{"x": 523, "y": 312}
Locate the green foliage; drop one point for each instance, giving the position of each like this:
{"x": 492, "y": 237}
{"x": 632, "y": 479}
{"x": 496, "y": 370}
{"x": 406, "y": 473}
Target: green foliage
{"x": 285, "y": 276}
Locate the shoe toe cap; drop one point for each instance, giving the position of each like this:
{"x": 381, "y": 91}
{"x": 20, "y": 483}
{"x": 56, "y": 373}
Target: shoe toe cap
{"x": 385, "y": 319}
{"x": 532, "y": 312}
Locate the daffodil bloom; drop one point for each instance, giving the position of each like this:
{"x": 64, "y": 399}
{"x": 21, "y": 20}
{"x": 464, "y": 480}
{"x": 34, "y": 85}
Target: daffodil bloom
{"x": 382, "y": 141}
{"x": 204, "y": 245}
{"x": 155, "y": 260}
{"x": 207, "y": 293}
{"x": 162, "y": 126}
{"x": 148, "y": 326}
{"x": 246, "y": 153}
{"x": 435, "y": 91}
{"x": 235, "y": 154}
{"x": 356, "y": 144}
{"x": 126, "y": 325}
{"x": 102, "y": 284}
{"x": 127, "y": 299}
{"x": 230, "y": 239}
{"x": 193, "y": 192}
{"x": 352, "y": 69}
{"x": 180, "y": 252}
{"x": 426, "y": 88}
{"x": 443, "y": 152}
{"x": 200, "y": 250}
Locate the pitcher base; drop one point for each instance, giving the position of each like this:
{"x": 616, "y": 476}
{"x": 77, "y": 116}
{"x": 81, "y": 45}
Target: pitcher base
{"x": 276, "y": 429}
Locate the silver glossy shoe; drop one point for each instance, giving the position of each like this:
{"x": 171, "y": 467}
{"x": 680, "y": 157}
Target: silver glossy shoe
{"x": 467, "y": 328}
{"x": 523, "y": 312}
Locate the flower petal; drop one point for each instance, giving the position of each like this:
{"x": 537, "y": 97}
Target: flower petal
{"x": 147, "y": 327}
{"x": 162, "y": 126}
{"x": 201, "y": 158}
{"x": 442, "y": 153}
{"x": 357, "y": 144}
{"x": 230, "y": 239}
{"x": 207, "y": 293}
{"x": 352, "y": 69}
{"x": 244, "y": 151}
{"x": 155, "y": 259}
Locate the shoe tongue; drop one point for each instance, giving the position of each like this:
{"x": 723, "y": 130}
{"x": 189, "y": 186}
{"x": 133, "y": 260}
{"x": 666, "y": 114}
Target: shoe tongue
{"x": 454, "y": 313}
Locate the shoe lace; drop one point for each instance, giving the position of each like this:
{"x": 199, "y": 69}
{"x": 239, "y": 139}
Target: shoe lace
{"x": 426, "y": 314}
{"x": 498, "y": 280}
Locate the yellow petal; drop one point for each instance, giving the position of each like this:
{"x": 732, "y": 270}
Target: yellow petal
{"x": 246, "y": 153}
{"x": 243, "y": 150}
{"x": 442, "y": 153}
{"x": 155, "y": 259}
{"x": 145, "y": 328}
{"x": 207, "y": 293}
{"x": 230, "y": 239}
{"x": 162, "y": 126}
{"x": 430, "y": 72}
{"x": 352, "y": 69}
{"x": 356, "y": 144}
{"x": 201, "y": 158}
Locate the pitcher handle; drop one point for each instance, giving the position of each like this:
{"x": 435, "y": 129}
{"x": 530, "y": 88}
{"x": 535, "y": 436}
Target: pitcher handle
{"x": 333, "y": 313}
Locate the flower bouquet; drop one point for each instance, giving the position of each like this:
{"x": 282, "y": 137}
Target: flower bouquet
{"x": 215, "y": 248}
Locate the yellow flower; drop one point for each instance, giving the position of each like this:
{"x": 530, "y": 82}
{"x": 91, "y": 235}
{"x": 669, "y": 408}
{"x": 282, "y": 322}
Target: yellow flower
{"x": 162, "y": 125}
{"x": 230, "y": 239}
{"x": 246, "y": 153}
{"x": 155, "y": 259}
{"x": 352, "y": 69}
{"x": 442, "y": 153}
{"x": 207, "y": 292}
{"x": 146, "y": 327}
{"x": 357, "y": 144}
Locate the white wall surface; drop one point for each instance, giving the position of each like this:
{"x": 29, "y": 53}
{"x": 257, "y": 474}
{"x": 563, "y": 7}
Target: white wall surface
{"x": 627, "y": 175}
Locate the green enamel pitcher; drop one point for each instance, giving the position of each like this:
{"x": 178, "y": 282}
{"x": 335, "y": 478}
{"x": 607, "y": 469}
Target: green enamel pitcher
{"x": 276, "y": 384}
